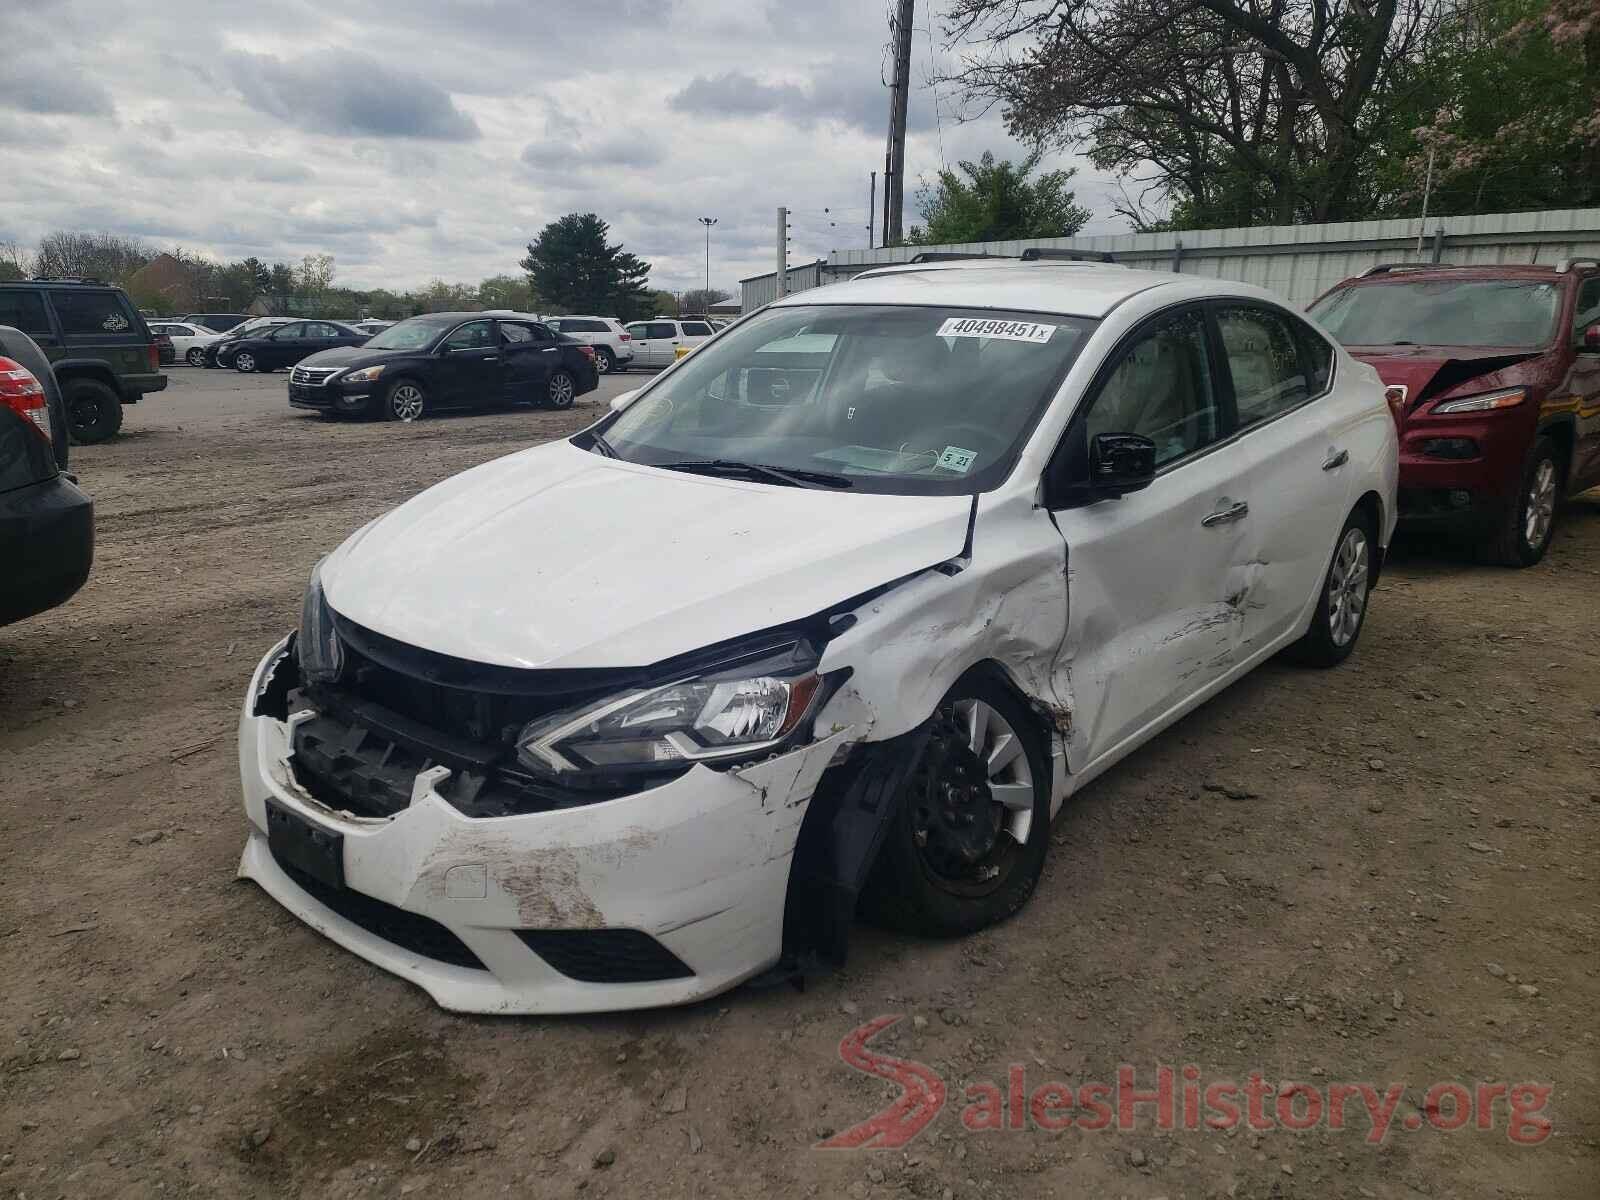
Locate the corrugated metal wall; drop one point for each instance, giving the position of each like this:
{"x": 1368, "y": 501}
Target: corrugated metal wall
{"x": 1299, "y": 262}
{"x": 762, "y": 289}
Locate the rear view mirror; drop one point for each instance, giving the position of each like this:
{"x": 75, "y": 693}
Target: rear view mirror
{"x": 622, "y": 399}
{"x": 1120, "y": 462}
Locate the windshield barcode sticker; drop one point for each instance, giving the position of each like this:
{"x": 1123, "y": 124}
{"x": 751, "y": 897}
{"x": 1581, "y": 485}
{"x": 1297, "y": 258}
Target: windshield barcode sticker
{"x": 1011, "y": 331}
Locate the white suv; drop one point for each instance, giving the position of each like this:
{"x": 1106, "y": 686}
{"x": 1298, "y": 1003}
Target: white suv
{"x": 613, "y": 345}
{"x": 842, "y": 607}
{"x": 659, "y": 339}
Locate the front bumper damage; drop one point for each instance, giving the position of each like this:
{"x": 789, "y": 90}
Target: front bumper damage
{"x": 549, "y": 912}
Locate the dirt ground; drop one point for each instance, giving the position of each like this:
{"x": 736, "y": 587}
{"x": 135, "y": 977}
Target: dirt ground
{"x": 1381, "y": 874}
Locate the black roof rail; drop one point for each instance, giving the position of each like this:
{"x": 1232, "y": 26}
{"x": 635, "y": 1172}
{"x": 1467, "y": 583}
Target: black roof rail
{"x": 68, "y": 279}
{"x": 1390, "y": 268}
{"x": 1041, "y": 254}
{"x": 933, "y": 256}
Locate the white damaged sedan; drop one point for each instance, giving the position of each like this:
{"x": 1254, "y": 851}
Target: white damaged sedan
{"x": 833, "y": 614}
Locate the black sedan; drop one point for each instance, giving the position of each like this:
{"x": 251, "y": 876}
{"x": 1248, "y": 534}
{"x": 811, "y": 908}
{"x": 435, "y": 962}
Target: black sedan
{"x": 285, "y": 345}
{"x": 446, "y": 360}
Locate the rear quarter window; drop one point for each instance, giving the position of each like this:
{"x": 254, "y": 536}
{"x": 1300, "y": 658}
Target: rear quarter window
{"x": 89, "y": 313}
{"x": 24, "y": 311}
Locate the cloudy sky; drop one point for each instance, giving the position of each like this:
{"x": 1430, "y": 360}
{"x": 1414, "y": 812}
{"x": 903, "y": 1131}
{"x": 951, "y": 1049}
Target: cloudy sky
{"x": 415, "y": 139}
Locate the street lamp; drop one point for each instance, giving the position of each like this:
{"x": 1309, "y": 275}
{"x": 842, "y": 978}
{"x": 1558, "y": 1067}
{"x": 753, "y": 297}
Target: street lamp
{"x": 708, "y": 222}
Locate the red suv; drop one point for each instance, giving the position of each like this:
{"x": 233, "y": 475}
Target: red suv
{"x": 1493, "y": 374}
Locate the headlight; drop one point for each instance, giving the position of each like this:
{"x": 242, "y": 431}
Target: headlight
{"x": 1505, "y": 398}
{"x": 364, "y": 375}
{"x": 717, "y": 718}
{"x": 321, "y": 655}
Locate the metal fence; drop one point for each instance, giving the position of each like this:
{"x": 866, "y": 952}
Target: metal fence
{"x": 1299, "y": 262}
{"x": 762, "y": 289}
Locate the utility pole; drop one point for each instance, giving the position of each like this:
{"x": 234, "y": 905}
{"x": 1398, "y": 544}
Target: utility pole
{"x": 1427, "y": 192}
{"x": 782, "y": 278}
{"x": 872, "y": 204}
{"x": 894, "y": 158}
{"x": 708, "y": 222}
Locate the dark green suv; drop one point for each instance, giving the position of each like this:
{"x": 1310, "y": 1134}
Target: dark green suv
{"x": 103, "y": 354}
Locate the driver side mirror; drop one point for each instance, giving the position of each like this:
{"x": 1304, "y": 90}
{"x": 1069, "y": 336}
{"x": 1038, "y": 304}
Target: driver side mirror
{"x": 1120, "y": 463}
{"x": 1591, "y": 340}
{"x": 622, "y": 399}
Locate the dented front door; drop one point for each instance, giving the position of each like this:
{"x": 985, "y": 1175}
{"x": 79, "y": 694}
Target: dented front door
{"x": 1150, "y": 616}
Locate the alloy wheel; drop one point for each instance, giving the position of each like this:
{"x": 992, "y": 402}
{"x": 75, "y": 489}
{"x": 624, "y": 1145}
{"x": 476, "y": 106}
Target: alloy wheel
{"x": 973, "y": 797}
{"x": 602, "y": 362}
{"x": 406, "y": 402}
{"x": 562, "y": 390}
{"x": 196, "y": 357}
{"x": 1347, "y": 586}
{"x": 1539, "y": 507}
{"x": 244, "y": 362}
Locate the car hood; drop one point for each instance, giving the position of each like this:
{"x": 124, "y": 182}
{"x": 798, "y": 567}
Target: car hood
{"x": 347, "y": 356}
{"x": 557, "y": 557}
{"x": 1428, "y": 371}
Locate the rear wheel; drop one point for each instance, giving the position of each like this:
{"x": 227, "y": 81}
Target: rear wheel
{"x": 94, "y": 411}
{"x": 604, "y": 360}
{"x": 561, "y": 390}
{"x": 1342, "y": 606}
{"x": 966, "y": 844}
{"x": 1525, "y": 531}
{"x": 196, "y": 357}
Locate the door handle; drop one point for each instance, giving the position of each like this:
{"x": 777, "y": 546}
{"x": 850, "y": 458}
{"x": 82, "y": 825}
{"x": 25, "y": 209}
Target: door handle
{"x": 1336, "y": 460}
{"x": 491, "y": 358}
{"x": 1222, "y": 516}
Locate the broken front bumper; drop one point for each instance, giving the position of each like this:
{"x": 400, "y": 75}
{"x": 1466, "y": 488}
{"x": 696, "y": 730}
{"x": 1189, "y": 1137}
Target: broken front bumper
{"x": 551, "y": 912}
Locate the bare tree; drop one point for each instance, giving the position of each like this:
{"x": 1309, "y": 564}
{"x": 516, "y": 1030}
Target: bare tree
{"x": 109, "y": 256}
{"x": 1232, "y": 110}
{"x": 15, "y": 262}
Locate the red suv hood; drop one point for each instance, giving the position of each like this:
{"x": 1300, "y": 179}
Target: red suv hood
{"x": 1427, "y": 371}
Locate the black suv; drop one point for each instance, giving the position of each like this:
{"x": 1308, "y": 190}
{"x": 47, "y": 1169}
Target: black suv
{"x": 446, "y": 360}
{"x": 46, "y": 523}
{"x": 103, "y": 353}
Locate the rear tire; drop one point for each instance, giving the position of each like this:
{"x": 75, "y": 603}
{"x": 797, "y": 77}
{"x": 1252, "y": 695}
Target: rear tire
{"x": 604, "y": 361}
{"x": 561, "y": 391}
{"x": 196, "y": 357}
{"x": 967, "y": 841}
{"x": 94, "y": 411}
{"x": 1525, "y": 531}
{"x": 1342, "y": 605}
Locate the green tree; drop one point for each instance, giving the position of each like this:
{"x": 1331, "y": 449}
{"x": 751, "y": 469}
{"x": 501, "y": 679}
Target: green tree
{"x": 255, "y": 275}
{"x": 661, "y": 303}
{"x": 507, "y": 291}
{"x": 577, "y": 270}
{"x": 1509, "y": 107}
{"x": 997, "y": 201}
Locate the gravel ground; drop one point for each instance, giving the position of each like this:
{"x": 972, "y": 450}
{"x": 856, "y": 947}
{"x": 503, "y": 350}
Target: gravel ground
{"x": 1380, "y": 874}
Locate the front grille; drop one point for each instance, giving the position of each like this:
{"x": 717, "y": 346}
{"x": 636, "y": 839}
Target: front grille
{"x": 408, "y": 930}
{"x": 605, "y": 955}
{"x": 313, "y": 376}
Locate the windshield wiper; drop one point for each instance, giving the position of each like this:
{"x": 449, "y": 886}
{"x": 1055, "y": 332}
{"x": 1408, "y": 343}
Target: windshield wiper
{"x": 791, "y": 477}
{"x": 598, "y": 442}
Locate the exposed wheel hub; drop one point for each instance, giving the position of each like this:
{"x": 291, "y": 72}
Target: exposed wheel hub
{"x": 955, "y": 820}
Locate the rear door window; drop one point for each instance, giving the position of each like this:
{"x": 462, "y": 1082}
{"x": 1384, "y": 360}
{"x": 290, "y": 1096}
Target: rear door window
{"x": 1264, "y": 357}
{"x": 697, "y": 329}
{"x": 515, "y": 334}
{"x": 661, "y": 329}
{"x": 86, "y": 312}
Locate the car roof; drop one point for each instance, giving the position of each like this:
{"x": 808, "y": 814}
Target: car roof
{"x": 1071, "y": 288}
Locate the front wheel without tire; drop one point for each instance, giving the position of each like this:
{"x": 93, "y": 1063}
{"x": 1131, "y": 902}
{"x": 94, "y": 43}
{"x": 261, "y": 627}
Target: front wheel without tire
{"x": 967, "y": 841}
{"x": 405, "y": 401}
{"x": 1525, "y": 531}
{"x": 94, "y": 411}
{"x": 561, "y": 390}
{"x": 1342, "y": 606}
